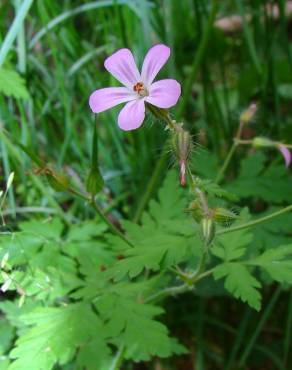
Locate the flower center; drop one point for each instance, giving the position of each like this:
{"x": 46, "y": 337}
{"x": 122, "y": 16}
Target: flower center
{"x": 140, "y": 89}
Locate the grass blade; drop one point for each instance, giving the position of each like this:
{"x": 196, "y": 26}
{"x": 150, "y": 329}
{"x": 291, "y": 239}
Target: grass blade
{"x": 14, "y": 29}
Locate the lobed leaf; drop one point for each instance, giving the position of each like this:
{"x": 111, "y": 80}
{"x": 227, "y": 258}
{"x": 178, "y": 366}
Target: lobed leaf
{"x": 240, "y": 283}
{"x": 55, "y": 336}
{"x": 133, "y": 323}
{"x": 12, "y": 84}
{"x": 276, "y": 263}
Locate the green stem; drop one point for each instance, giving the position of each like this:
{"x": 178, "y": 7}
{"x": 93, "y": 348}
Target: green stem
{"x": 203, "y": 201}
{"x": 98, "y": 210}
{"x": 202, "y": 263}
{"x": 226, "y": 163}
{"x": 118, "y": 359}
{"x": 197, "y": 278}
{"x": 201, "y": 195}
{"x": 255, "y": 222}
{"x": 111, "y": 226}
{"x": 168, "y": 292}
{"x": 191, "y": 179}
{"x": 236, "y": 141}
{"x": 161, "y": 113}
{"x": 187, "y": 287}
{"x": 244, "y": 142}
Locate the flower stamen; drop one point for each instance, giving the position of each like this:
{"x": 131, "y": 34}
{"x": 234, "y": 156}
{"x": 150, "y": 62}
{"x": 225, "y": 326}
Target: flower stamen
{"x": 140, "y": 89}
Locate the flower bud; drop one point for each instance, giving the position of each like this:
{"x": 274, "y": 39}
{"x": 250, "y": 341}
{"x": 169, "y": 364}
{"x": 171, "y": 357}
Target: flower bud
{"x": 58, "y": 181}
{"x": 94, "y": 181}
{"x": 247, "y": 115}
{"x": 196, "y": 210}
{"x": 262, "y": 142}
{"x": 223, "y": 215}
{"x": 207, "y": 230}
{"x": 182, "y": 146}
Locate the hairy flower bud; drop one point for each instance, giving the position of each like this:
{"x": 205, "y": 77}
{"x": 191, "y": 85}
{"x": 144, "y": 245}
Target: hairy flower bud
{"x": 223, "y": 215}
{"x": 182, "y": 146}
{"x": 196, "y": 210}
{"x": 207, "y": 225}
{"x": 247, "y": 115}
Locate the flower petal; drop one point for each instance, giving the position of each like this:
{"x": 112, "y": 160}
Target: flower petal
{"x": 132, "y": 115}
{"x": 153, "y": 62}
{"x": 286, "y": 154}
{"x": 122, "y": 66}
{"x": 103, "y": 99}
{"x": 164, "y": 93}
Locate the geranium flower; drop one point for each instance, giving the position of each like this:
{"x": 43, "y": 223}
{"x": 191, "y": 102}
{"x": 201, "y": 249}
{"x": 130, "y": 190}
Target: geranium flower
{"x": 138, "y": 87}
{"x": 286, "y": 154}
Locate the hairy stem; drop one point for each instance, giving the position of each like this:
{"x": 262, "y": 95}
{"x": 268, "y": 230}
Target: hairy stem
{"x": 255, "y": 222}
{"x": 201, "y": 266}
{"x": 187, "y": 287}
{"x": 174, "y": 290}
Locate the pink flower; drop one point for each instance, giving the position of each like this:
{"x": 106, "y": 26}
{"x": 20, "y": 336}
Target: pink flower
{"x": 138, "y": 87}
{"x": 286, "y": 154}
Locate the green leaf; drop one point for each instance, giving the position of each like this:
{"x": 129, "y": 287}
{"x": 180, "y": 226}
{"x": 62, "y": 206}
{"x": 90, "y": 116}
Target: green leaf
{"x": 271, "y": 184}
{"x": 86, "y": 231}
{"x": 93, "y": 356}
{"x": 240, "y": 283}
{"x": 49, "y": 229}
{"x": 231, "y": 246}
{"x": 6, "y": 335}
{"x": 276, "y": 263}
{"x": 274, "y": 232}
{"x": 170, "y": 203}
{"x": 166, "y": 236}
{"x": 55, "y": 336}
{"x": 14, "y": 313}
{"x": 151, "y": 253}
{"x": 205, "y": 164}
{"x": 211, "y": 188}
{"x": 135, "y": 327}
{"x": 11, "y": 84}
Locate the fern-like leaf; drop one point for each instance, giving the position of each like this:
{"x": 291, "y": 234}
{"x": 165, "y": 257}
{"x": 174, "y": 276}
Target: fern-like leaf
{"x": 240, "y": 283}
{"x": 55, "y": 336}
{"x": 12, "y": 84}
